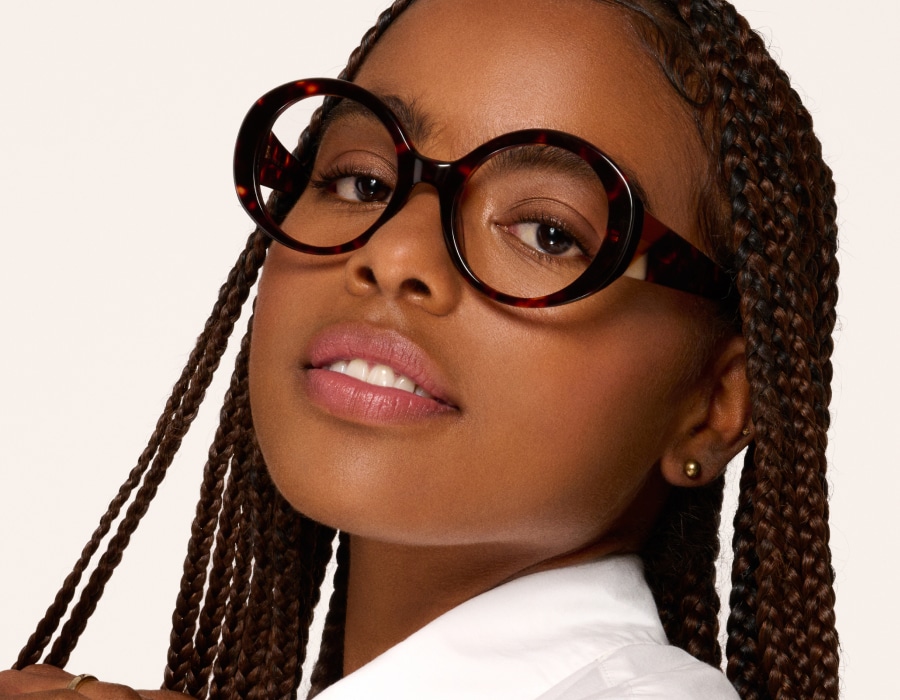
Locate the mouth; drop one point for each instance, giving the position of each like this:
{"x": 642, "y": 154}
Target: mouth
{"x": 377, "y": 374}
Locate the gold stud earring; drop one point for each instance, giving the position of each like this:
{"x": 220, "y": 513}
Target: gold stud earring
{"x": 746, "y": 431}
{"x": 691, "y": 469}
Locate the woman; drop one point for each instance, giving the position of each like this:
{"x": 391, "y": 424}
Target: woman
{"x": 548, "y": 440}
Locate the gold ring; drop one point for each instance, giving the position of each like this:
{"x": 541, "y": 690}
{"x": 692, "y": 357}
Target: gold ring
{"x": 78, "y": 680}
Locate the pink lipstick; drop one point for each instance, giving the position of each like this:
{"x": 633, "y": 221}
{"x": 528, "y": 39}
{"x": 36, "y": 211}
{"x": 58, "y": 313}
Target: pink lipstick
{"x": 374, "y": 376}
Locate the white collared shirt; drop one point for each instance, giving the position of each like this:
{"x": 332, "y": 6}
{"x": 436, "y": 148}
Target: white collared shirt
{"x": 586, "y": 632}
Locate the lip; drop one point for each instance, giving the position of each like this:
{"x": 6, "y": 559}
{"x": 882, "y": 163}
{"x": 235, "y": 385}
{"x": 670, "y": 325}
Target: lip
{"x": 350, "y": 398}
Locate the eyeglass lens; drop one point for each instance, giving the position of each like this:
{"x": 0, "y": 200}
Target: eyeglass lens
{"x": 528, "y": 222}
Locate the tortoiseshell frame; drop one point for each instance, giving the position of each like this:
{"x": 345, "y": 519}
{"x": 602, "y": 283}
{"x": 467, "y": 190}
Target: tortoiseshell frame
{"x": 261, "y": 160}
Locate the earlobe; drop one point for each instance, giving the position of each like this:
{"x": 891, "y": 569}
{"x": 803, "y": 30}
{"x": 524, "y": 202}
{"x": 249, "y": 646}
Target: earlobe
{"x": 714, "y": 427}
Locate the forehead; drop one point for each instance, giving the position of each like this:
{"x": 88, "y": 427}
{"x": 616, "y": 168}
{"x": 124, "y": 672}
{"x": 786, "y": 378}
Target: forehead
{"x": 479, "y": 68}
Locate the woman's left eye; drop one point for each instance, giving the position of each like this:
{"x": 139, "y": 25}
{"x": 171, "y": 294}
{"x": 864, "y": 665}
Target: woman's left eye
{"x": 361, "y": 188}
{"x": 548, "y": 238}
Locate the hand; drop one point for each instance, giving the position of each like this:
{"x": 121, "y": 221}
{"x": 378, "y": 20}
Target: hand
{"x": 43, "y": 682}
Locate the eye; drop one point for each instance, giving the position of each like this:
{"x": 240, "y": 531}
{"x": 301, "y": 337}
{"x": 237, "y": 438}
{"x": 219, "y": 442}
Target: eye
{"x": 549, "y": 238}
{"x": 360, "y": 188}
{"x": 354, "y": 187}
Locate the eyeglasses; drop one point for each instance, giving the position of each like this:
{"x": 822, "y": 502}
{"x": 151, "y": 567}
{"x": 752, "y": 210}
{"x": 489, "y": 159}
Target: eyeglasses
{"x": 532, "y": 218}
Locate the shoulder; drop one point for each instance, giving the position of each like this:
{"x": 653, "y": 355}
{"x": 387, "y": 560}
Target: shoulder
{"x": 646, "y": 671}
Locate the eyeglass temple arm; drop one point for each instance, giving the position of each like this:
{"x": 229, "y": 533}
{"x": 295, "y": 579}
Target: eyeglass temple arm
{"x": 674, "y": 262}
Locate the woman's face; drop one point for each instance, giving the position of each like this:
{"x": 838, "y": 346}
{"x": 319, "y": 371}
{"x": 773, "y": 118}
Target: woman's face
{"x": 546, "y": 425}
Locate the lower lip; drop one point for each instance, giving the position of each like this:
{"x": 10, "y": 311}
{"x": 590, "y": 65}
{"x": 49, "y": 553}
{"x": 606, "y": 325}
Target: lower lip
{"x": 351, "y": 399}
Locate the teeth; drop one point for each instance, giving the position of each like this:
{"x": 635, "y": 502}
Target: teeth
{"x": 358, "y": 369}
{"x": 405, "y": 383}
{"x": 339, "y": 367}
{"x": 378, "y": 375}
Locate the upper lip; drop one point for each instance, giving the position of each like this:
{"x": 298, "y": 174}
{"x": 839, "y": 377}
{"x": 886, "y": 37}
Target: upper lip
{"x": 384, "y": 346}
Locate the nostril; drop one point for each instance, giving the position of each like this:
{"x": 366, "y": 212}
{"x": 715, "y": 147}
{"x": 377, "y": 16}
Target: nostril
{"x": 367, "y": 275}
{"x": 416, "y": 287}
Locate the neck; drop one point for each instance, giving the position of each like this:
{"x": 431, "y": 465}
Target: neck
{"x": 394, "y": 590}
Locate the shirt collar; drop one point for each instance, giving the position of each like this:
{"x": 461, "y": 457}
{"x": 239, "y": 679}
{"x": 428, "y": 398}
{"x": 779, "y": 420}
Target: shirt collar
{"x": 516, "y": 640}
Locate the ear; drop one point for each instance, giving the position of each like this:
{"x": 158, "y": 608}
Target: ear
{"x": 715, "y": 422}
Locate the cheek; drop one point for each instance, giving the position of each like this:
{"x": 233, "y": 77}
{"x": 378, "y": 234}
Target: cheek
{"x": 281, "y": 322}
{"x": 579, "y": 425}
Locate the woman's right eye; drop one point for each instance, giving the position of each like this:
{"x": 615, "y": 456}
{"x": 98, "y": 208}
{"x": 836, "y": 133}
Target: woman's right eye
{"x": 361, "y": 188}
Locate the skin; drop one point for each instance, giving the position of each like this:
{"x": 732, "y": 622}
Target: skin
{"x": 563, "y": 417}
{"x": 42, "y": 682}
{"x": 569, "y": 424}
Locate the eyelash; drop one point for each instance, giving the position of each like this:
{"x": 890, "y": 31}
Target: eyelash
{"x": 339, "y": 172}
{"x": 543, "y": 218}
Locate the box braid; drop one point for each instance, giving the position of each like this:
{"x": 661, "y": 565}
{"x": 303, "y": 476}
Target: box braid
{"x": 785, "y": 239}
{"x": 254, "y": 565}
{"x": 781, "y": 233}
{"x": 330, "y": 665}
{"x": 179, "y": 412}
{"x": 260, "y": 619}
{"x": 240, "y": 626}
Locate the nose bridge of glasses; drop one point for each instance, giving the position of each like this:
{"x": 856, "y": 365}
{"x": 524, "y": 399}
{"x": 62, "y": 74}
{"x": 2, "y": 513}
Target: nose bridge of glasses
{"x": 421, "y": 170}
{"x": 433, "y": 172}
{"x": 440, "y": 175}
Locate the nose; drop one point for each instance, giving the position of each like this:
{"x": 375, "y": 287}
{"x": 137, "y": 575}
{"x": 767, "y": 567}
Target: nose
{"x": 406, "y": 258}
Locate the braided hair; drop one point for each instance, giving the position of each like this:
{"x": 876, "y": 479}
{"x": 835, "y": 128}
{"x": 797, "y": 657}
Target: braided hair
{"x": 778, "y": 235}
{"x": 254, "y": 567}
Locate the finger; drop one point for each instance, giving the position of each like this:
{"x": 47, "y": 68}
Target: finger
{"x": 42, "y": 682}
{"x": 32, "y": 679}
{"x": 100, "y": 690}
{"x": 42, "y": 695}
{"x": 47, "y": 671}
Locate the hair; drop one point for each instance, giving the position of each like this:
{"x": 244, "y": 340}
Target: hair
{"x": 254, "y": 566}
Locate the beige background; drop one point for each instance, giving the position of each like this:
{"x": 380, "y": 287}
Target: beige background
{"x": 119, "y": 223}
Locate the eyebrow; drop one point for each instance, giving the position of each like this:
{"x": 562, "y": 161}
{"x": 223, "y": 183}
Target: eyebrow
{"x": 543, "y": 156}
{"x": 564, "y": 162}
{"x": 419, "y": 125}
{"x": 415, "y": 122}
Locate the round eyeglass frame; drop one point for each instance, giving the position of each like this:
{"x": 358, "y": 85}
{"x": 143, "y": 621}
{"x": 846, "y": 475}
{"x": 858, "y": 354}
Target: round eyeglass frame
{"x": 261, "y": 160}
